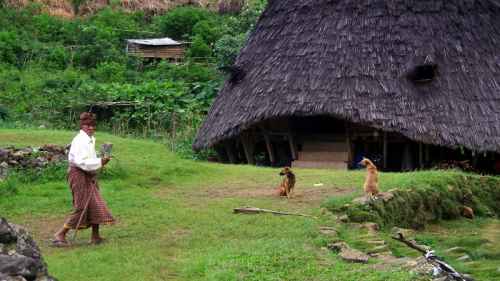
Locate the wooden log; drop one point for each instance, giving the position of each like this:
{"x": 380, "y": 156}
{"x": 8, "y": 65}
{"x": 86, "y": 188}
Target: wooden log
{"x": 253, "y": 210}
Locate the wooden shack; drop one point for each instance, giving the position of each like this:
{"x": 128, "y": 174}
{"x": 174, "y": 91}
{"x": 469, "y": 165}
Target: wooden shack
{"x": 157, "y": 48}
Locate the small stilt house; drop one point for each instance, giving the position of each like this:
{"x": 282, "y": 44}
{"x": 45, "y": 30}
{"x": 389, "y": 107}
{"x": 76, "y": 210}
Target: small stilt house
{"x": 156, "y": 48}
{"x": 322, "y": 83}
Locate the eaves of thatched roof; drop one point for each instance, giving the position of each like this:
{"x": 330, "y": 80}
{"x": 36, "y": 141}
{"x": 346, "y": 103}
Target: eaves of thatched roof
{"x": 352, "y": 59}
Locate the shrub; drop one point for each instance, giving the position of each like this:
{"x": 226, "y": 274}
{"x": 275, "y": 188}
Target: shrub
{"x": 199, "y": 49}
{"x": 179, "y": 22}
{"x": 227, "y": 49}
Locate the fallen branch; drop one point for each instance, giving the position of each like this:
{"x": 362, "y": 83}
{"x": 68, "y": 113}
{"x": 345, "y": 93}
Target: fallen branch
{"x": 253, "y": 210}
{"x": 440, "y": 267}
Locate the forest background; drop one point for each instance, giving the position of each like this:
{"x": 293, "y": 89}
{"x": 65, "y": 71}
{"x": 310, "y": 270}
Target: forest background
{"x": 52, "y": 68}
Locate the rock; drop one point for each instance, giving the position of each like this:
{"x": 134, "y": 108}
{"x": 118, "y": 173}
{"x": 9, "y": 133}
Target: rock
{"x": 23, "y": 257}
{"x": 464, "y": 258}
{"x": 45, "y": 278}
{"x": 11, "y": 278}
{"x": 353, "y": 255}
{"x": 377, "y": 249}
{"x": 344, "y": 218}
{"x": 361, "y": 200}
{"x": 349, "y": 254}
{"x": 326, "y": 230}
{"x": 18, "y": 265}
{"x": 386, "y": 196}
{"x": 404, "y": 231}
{"x": 371, "y": 226}
{"x": 376, "y": 242}
{"x": 26, "y": 246}
{"x": 4, "y": 170}
{"x": 7, "y": 234}
{"x": 420, "y": 266}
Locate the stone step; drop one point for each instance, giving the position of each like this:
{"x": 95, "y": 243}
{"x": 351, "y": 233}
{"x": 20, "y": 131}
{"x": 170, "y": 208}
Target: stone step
{"x": 325, "y": 146}
{"x": 323, "y": 156}
{"x": 336, "y": 165}
{"x": 378, "y": 249}
{"x": 376, "y": 242}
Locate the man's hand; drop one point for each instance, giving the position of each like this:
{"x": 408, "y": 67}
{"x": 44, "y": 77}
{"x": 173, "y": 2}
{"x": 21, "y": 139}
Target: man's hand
{"x": 105, "y": 160}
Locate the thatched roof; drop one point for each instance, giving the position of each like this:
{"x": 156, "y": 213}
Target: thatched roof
{"x": 353, "y": 59}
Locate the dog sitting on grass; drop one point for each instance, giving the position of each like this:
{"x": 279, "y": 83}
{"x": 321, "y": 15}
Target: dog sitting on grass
{"x": 288, "y": 183}
{"x": 371, "y": 182}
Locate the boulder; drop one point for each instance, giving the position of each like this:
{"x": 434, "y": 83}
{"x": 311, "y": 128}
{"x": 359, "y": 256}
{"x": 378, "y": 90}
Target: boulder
{"x": 20, "y": 257}
{"x": 18, "y": 265}
{"x": 7, "y": 234}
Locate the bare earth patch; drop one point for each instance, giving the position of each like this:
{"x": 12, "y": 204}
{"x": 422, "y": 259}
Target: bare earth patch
{"x": 307, "y": 195}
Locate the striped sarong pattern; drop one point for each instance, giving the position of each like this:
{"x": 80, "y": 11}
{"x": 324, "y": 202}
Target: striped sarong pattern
{"x": 85, "y": 189}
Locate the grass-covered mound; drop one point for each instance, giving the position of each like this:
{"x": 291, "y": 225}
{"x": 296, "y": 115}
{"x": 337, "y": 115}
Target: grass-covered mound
{"x": 416, "y": 206}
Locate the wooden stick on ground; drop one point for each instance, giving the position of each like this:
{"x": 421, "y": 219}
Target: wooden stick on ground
{"x": 253, "y": 210}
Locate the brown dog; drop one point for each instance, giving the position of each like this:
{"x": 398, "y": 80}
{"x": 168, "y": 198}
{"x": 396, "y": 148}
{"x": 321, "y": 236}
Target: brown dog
{"x": 288, "y": 183}
{"x": 371, "y": 183}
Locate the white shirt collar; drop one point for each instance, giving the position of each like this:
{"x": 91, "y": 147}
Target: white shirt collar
{"x": 89, "y": 138}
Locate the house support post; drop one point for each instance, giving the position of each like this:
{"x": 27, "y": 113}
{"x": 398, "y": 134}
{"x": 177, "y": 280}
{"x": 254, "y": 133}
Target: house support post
{"x": 269, "y": 147}
{"x": 293, "y": 148}
{"x": 420, "y": 155}
{"x": 248, "y": 147}
{"x": 384, "y": 151}
{"x": 231, "y": 155}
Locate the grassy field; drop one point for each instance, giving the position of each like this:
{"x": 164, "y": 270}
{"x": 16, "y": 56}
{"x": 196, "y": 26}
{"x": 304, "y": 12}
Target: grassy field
{"x": 175, "y": 221}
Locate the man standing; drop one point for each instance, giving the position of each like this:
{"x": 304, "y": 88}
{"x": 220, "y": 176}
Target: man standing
{"x": 90, "y": 210}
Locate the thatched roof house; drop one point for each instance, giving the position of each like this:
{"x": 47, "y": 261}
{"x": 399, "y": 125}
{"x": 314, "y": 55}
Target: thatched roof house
{"x": 428, "y": 71}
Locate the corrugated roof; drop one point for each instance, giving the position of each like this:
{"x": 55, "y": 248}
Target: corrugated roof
{"x": 155, "y": 42}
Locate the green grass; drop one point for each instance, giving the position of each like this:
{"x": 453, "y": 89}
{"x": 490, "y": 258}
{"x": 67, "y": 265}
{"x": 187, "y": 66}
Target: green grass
{"x": 175, "y": 219}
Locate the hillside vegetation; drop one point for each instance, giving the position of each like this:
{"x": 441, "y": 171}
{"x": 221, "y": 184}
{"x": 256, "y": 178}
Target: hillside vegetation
{"x": 51, "y": 69}
{"x": 73, "y": 8}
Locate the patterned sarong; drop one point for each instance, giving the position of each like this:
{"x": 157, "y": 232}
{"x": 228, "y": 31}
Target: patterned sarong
{"x": 85, "y": 190}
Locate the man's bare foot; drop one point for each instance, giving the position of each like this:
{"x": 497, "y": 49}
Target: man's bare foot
{"x": 61, "y": 235}
{"x": 97, "y": 240}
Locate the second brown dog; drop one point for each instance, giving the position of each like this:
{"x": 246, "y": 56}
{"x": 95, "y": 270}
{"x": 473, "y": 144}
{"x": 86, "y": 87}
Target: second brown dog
{"x": 287, "y": 184}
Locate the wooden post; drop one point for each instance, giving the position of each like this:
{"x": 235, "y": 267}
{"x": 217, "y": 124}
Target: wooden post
{"x": 228, "y": 146}
{"x": 421, "y": 155}
{"x": 269, "y": 148}
{"x": 427, "y": 158}
{"x": 384, "y": 151}
{"x": 293, "y": 148}
{"x": 248, "y": 148}
{"x": 221, "y": 154}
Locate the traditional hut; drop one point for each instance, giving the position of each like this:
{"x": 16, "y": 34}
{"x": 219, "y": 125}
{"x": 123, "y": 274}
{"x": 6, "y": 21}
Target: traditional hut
{"x": 321, "y": 83}
{"x": 158, "y": 48}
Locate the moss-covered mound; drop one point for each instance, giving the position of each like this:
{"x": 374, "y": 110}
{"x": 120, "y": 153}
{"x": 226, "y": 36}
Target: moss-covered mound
{"x": 418, "y": 206}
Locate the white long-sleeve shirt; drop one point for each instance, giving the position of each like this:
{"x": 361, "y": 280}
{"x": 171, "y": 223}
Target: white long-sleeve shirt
{"x": 82, "y": 153}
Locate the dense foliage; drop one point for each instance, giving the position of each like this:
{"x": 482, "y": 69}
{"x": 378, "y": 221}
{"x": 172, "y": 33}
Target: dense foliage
{"x": 51, "y": 69}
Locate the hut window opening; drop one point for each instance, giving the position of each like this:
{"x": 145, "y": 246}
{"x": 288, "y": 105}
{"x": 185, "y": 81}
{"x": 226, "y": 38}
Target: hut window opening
{"x": 423, "y": 73}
